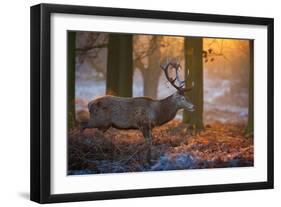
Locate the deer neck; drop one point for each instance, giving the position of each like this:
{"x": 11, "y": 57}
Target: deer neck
{"x": 167, "y": 110}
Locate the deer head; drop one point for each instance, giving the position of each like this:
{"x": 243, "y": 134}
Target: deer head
{"x": 181, "y": 100}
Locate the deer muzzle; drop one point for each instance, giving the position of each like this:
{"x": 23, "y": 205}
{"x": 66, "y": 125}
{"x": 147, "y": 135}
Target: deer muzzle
{"x": 189, "y": 107}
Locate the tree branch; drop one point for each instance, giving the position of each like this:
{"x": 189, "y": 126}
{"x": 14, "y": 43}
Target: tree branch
{"x": 86, "y": 49}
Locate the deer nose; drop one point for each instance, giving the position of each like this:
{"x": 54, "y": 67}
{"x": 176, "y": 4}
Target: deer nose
{"x": 192, "y": 109}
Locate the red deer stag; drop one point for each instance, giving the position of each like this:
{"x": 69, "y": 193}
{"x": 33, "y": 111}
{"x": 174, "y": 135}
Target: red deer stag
{"x": 141, "y": 113}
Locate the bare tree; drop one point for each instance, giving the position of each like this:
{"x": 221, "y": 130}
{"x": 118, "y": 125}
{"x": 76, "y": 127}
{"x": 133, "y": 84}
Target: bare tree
{"x": 71, "y": 37}
{"x": 147, "y": 61}
{"x": 120, "y": 65}
{"x": 149, "y": 50}
{"x": 92, "y": 47}
{"x": 250, "y": 126}
{"x": 194, "y": 63}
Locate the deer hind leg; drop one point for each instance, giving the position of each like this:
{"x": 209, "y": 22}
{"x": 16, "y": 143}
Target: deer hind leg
{"x": 146, "y": 131}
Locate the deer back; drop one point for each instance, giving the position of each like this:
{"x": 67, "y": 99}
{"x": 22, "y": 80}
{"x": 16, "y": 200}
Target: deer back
{"x": 121, "y": 112}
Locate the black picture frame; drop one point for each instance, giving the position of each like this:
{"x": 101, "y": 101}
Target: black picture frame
{"x": 41, "y": 95}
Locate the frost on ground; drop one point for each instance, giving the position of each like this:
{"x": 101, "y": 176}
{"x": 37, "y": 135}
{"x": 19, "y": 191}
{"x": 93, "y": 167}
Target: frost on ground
{"x": 221, "y": 144}
{"x": 174, "y": 148}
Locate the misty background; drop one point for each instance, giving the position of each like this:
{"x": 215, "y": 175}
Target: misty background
{"x": 225, "y": 71}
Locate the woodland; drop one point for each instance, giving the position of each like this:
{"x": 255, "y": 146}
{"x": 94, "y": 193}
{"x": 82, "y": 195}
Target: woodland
{"x": 217, "y": 134}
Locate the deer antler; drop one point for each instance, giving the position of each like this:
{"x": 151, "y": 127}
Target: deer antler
{"x": 181, "y": 83}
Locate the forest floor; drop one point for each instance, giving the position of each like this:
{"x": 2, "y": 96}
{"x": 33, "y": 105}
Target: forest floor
{"x": 174, "y": 147}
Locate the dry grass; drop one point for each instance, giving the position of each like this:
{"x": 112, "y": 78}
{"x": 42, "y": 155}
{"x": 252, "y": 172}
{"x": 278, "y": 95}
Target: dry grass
{"x": 219, "y": 145}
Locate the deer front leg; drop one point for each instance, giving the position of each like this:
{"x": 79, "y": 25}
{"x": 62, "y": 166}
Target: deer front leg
{"x": 146, "y": 131}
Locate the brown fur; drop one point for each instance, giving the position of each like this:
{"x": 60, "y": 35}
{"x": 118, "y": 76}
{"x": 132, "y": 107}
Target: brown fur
{"x": 134, "y": 113}
{"x": 141, "y": 113}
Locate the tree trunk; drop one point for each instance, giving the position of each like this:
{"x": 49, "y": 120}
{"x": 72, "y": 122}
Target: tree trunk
{"x": 71, "y": 39}
{"x": 250, "y": 126}
{"x": 150, "y": 83}
{"x": 119, "y": 65}
{"x": 151, "y": 77}
{"x": 152, "y": 73}
{"x": 193, "y": 47}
